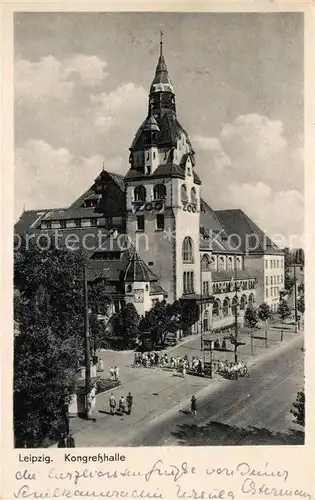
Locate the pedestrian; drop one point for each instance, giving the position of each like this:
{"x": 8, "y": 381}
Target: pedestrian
{"x": 70, "y": 441}
{"x": 91, "y": 404}
{"x": 129, "y": 401}
{"x": 100, "y": 366}
{"x": 111, "y": 373}
{"x": 62, "y": 443}
{"x": 184, "y": 370}
{"x": 116, "y": 373}
{"x": 122, "y": 405}
{"x": 193, "y": 405}
{"x": 112, "y": 404}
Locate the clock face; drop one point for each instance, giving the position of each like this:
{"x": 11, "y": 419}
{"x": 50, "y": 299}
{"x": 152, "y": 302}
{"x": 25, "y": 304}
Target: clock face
{"x": 139, "y": 296}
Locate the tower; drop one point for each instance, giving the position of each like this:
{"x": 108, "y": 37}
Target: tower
{"x": 163, "y": 192}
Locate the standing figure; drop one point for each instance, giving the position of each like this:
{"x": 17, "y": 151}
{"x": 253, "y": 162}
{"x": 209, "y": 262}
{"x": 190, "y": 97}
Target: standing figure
{"x": 112, "y": 404}
{"x": 193, "y": 405}
{"x": 62, "y": 443}
{"x": 122, "y": 405}
{"x": 116, "y": 373}
{"x": 129, "y": 401}
{"x": 112, "y": 373}
{"x": 70, "y": 441}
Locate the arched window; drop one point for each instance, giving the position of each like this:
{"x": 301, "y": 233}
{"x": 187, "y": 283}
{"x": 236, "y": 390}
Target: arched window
{"x": 205, "y": 263}
{"x": 140, "y": 193}
{"x": 234, "y": 305}
{"x": 230, "y": 264}
{"x": 238, "y": 263}
{"x": 206, "y": 321}
{"x": 221, "y": 264}
{"x": 183, "y": 193}
{"x": 226, "y": 307}
{"x": 243, "y": 302}
{"x": 159, "y": 192}
{"x": 193, "y": 196}
{"x": 213, "y": 264}
{"x": 188, "y": 250}
{"x": 191, "y": 282}
{"x": 216, "y": 309}
{"x": 251, "y": 300}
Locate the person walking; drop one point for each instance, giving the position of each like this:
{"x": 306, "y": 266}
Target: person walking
{"x": 112, "y": 373}
{"x": 122, "y": 405}
{"x": 112, "y": 404}
{"x": 62, "y": 443}
{"x": 116, "y": 373}
{"x": 70, "y": 441}
{"x": 129, "y": 401}
{"x": 193, "y": 405}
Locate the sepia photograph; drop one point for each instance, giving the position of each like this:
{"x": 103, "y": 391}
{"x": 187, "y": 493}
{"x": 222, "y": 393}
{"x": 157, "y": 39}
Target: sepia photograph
{"x": 158, "y": 229}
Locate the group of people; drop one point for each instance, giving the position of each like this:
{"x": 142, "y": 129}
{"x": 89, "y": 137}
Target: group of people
{"x": 114, "y": 373}
{"x": 232, "y": 370}
{"x": 124, "y": 405}
{"x": 66, "y": 441}
{"x": 163, "y": 360}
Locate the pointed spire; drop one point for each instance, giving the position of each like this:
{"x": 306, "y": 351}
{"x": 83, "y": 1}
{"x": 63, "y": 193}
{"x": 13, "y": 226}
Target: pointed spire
{"x": 161, "y": 43}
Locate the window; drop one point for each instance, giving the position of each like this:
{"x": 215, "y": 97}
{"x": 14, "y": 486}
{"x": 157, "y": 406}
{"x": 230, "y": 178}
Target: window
{"x": 70, "y": 223}
{"x": 281, "y": 263}
{"x": 245, "y": 285}
{"x": 281, "y": 279}
{"x": 77, "y": 222}
{"x": 183, "y": 193}
{"x": 153, "y": 155}
{"x": 193, "y": 196}
{"x": 205, "y": 263}
{"x": 243, "y": 302}
{"x": 85, "y": 222}
{"x": 140, "y": 222}
{"x": 100, "y": 255}
{"x": 266, "y": 293}
{"x": 140, "y": 193}
{"x": 271, "y": 264}
{"x": 266, "y": 280}
{"x": 271, "y": 280}
{"x": 46, "y": 224}
{"x": 188, "y": 250}
{"x": 206, "y": 321}
{"x": 160, "y": 222}
{"x": 216, "y": 309}
{"x": 251, "y": 300}
{"x": 55, "y": 224}
{"x": 238, "y": 263}
{"x": 225, "y": 309}
{"x": 230, "y": 264}
{"x": 234, "y": 305}
{"x": 213, "y": 264}
{"x": 159, "y": 192}
{"x": 205, "y": 288}
{"x": 129, "y": 288}
{"x": 188, "y": 282}
{"x": 271, "y": 292}
{"x": 266, "y": 264}
{"x": 221, "y": 264}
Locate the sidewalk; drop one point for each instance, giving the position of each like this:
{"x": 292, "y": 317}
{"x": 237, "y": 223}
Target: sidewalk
{"x": 156, "y": 391}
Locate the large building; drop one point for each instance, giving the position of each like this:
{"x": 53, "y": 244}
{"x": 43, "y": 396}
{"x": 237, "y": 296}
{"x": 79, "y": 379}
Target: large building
{"x": 150, "y": 235}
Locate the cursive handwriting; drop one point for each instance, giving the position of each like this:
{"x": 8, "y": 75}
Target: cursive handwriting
{"x": 195, "y": 494}
{"x": 26, "y": 492}
{"x": 172, "y": 471}
{"x": 245, "y": 469}
{"x": 249, "y": 486}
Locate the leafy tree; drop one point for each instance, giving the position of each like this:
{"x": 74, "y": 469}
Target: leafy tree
{"x": 99, "y": 303}
{"x": 264, "y": 314}
{"x": 284, "y": 312}
{"x": 301, "y": 304}
{"x": 251, "y": 317}
{"x": 126, "y": 326}
{"x": 298, "y": 410}
{"x": 49, "y": 314}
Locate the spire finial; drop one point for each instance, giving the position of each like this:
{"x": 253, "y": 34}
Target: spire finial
{"x": 161, "y": 42}
{"x": 103, "y": 166}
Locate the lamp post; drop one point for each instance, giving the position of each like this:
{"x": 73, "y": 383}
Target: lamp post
{"x": 87, "y": 341}
{"x": 295, "y": 297}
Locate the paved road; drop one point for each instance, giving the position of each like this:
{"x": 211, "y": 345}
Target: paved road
{"x": 247, "y": 411}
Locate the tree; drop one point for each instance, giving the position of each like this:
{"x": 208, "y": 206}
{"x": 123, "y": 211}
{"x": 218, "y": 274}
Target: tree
{"x": 126, "y": 326}
{"x": 301, "y": 304}
{"x": 49, "y": 311}
{"x": 284, "y": 312}
{"x": 264, "y": 314}
{"x": 298, "y": 410}
{"x": 99, "y": 303}
{"x": 250, "y": 317}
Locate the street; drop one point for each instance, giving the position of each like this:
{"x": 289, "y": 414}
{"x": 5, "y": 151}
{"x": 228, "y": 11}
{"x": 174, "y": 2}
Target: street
{"x": 247, "y": 411}
{"x": 226, "y": 408}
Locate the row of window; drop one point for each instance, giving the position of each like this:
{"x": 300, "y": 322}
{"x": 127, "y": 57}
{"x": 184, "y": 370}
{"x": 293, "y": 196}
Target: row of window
{"x": 75, "y": 223}
{"x": 274, "y": 264}
{"x": 274, "y": 292}
{"x": 274, "y": 280}
{"x": 220, "y": 264}
{"x": 159, "y": 193}
{"x": 159, "y": 222}
{"x": 229, "y": 308}
{"x": 229, "y": 287}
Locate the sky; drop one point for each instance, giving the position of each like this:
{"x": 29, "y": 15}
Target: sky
{"x": 81, "y": 91}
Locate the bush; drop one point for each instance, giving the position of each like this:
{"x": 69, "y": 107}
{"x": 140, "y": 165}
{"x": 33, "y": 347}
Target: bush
{"x": 298, "y": 410}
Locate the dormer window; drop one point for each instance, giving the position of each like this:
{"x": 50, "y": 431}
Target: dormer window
{"x": 140, "y": 193}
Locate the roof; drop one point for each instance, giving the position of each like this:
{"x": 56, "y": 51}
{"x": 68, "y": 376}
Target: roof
{"x": 229, "y": 275}
{"x": 218, "y": 238}
{"x": 151, "y": 124}
{"x": 31, "y": 218}
{"x": 248, "y": 236}
{"x": 137, "y": 270}
{"x": 156, "y": 289}
{"x": 104, "y": 175}
{"x": 161, "y": 81}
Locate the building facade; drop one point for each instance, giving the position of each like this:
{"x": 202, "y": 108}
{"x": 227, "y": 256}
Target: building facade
{"x": 152, "y": 236}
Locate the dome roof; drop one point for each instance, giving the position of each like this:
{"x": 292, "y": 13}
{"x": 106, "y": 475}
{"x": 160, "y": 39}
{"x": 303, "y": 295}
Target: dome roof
{"x": 137, "y": 271}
